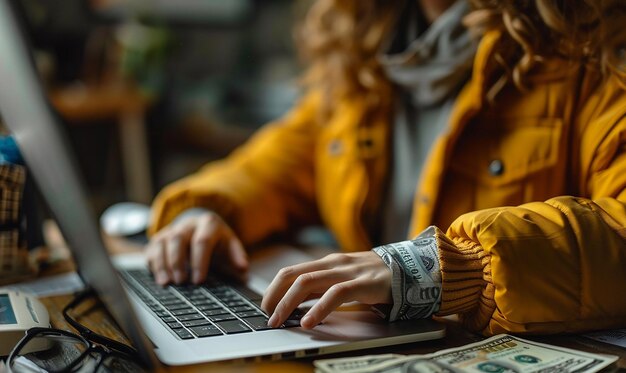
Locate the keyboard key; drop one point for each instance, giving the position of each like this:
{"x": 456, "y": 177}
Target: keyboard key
{"x": 204, "y": 302}
{"x": 205, "y": 331}
{"x": 177, "y": 306}
{"x": 167, "y": 298}
{"x": 233, "y": 326}
{"x": 208, "y": 307}
{"x": 183, "y": 333}
{"x": 198, "y": 298}
{"x": 160, "y": 293}
{"x": 174, "y": 325}
{"x": 297, "y": 314}
{"x": 249, "y": 314}
{"x": 219, "y": 289}
{"x": 184, "y": 290}
{"x": 222, "y": 317}
{"x": 249, "y": 293}
{"x": 235, "y": 303}
{"x": 220, "y": 311}
{"x": 291, "y": 323}
{"x": 196, "y": 322}
{"x": 174, "y": 300}
{"x": 257, "y": 322}
{"x": 237, "y": 309}
{"x": 294, "y": 319}
{"x": 168, "y": 319}
{"x": 257, "y": 302}
{"x": 229, "y": 294}
{"x": 184, "y": 311}
{"x": 194, "y": 316}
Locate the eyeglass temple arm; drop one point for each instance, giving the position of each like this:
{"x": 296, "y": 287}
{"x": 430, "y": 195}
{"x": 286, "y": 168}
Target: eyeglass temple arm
{"x": 88, "y": 333}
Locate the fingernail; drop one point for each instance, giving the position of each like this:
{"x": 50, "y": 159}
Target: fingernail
{"x": 273, "y": 321}
{"x": 196, "y": 276}
{"x": 162, "y": 278}
{"x": 306, "y": 322}
{"x": 242, "y": 261}
{"x": 179, "y": 277}
{"x": 174, "y": 243}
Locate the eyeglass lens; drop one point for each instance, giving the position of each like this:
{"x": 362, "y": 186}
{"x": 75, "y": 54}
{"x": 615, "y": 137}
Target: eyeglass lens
{"x": 117, "y": 363}
{"x": 50, "y": 352}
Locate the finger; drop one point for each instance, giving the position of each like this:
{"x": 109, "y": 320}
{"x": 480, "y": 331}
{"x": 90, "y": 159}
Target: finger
{"x": 203, "y": 242}
{"x": 231, "y": 252}
{"x": 285, "y": 278}
{"x": 302, "y": 289}
{"x": 336, "y": 295}
{"x": 177, "y": 247}
{"x": 156, "y": 260}
{"x": 237, "y": 255}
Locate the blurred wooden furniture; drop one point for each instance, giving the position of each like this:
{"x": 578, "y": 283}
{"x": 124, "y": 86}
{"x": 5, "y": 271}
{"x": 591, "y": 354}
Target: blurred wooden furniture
{"x": 125, "y": 104}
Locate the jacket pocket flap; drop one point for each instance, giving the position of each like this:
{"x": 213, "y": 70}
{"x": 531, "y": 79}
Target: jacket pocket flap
{"x": 509, "y": 150}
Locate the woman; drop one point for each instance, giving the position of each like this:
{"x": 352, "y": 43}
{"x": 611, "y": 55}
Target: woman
{"x": 526, "y": 175}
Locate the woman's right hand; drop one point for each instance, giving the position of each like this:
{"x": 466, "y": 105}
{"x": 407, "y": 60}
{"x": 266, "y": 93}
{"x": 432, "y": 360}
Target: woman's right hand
{"x": 186, "y": 249}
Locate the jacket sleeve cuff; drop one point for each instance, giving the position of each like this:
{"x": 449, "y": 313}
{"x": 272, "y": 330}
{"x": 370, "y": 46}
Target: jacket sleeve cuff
{"x": 467, "y": 287}
{"x": 176, "y": 200}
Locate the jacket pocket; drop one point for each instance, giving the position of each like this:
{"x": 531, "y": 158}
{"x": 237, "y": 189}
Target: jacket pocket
{"x": 508, "y": 151}
{"x": 503, "y": 162}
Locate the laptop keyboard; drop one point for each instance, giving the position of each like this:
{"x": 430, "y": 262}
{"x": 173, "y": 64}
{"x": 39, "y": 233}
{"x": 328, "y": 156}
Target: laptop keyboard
{"x": 198, "y": 311}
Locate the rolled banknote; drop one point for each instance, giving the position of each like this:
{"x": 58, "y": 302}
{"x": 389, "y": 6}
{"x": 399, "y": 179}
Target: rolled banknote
{"x": 415, "y": 276}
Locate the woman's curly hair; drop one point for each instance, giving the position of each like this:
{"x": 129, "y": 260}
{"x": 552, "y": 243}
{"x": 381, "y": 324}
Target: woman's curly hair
{"x": 590, "y": 32}
{"x": 340, "y": 40}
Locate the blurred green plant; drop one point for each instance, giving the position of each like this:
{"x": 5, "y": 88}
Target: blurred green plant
{"x": 144, "y": 53}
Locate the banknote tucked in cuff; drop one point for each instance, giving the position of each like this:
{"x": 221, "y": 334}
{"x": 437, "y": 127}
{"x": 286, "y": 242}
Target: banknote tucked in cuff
{"x": 416, "y": 276}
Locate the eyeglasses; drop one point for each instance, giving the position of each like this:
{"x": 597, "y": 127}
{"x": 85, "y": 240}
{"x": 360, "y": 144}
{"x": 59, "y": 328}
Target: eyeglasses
{"x": 56, "y": 351}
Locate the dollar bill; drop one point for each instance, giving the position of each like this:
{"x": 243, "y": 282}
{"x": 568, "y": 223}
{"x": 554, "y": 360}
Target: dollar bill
{"x": 353, "y": 363}
{"x": 498, "y": 354}
{"x": 416, "y": 276}
{"x": 615, "y": 337}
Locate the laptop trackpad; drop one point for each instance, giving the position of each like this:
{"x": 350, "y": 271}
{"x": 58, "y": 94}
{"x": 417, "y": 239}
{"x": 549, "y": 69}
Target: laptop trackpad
{"x": 358, "y": 325}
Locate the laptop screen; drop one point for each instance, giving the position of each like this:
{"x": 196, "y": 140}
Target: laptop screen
{"x": 26, "y": 112}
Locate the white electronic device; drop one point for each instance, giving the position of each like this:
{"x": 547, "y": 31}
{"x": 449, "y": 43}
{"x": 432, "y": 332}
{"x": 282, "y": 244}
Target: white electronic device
{"x": 18, "y": 313}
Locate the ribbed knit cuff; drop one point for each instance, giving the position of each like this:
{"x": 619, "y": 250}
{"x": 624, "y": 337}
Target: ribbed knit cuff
{"x": 467, "y": 288}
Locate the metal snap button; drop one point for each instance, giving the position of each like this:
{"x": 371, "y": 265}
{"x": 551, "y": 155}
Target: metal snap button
{"x": 335, "y": 147}
{"x": 496, "y": 167}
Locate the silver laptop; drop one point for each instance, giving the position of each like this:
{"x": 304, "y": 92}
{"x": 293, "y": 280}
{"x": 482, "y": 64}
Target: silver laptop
{"x": 176, "y": 325}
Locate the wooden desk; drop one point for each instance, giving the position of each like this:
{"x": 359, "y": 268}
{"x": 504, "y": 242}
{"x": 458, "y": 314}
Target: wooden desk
{"x": 96, "y": 319}
{"x": 99, "y": 321}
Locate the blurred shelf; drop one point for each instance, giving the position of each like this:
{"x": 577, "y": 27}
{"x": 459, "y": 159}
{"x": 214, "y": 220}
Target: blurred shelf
{"x": 127, "y": 105}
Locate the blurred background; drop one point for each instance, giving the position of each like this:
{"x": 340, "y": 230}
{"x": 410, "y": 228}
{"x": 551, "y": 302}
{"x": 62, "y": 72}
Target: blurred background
{"x": 150, "y": 90}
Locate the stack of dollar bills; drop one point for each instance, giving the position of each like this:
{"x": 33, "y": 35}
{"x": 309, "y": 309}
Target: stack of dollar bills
{"x": 499, "y": 354}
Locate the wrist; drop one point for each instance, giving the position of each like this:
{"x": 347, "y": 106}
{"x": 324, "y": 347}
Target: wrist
{"x": 416, "y": 275}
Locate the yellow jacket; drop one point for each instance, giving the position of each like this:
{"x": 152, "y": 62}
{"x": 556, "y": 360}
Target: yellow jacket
{"x": 528, "y": 256}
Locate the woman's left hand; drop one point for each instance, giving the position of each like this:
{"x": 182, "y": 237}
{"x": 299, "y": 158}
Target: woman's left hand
{"x": 334, "y": 279}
